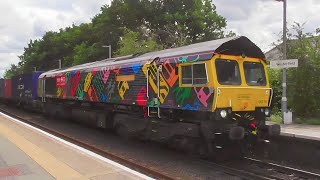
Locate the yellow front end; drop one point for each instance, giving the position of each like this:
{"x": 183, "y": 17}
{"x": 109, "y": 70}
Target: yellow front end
{"x": 241, "y": 83}
{"x": 242, "y": 99}
{"x": 242, "y": 96}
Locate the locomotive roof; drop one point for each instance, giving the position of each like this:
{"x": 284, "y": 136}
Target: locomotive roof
{"x": 229, "y": 46}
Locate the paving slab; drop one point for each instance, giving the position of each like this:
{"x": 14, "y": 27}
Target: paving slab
{"x": 17, "y": 165}
{"x": 303, "y": 131}
{"x": 36, "y": 155}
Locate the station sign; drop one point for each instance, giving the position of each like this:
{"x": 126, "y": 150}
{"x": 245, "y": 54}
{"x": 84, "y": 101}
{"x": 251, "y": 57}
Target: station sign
{"x": 279, "y": 64}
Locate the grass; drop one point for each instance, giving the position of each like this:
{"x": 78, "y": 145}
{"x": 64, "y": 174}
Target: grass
{"x": 277, "y": 118}
{"x": 310, "y": 121}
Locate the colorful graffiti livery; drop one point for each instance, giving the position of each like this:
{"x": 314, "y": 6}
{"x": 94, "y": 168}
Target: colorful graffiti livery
{"x": 128, "y": 84}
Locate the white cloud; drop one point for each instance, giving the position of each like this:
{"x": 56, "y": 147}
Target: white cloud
{"x": 22, "y": 20}
{"x": 261, "y": 20}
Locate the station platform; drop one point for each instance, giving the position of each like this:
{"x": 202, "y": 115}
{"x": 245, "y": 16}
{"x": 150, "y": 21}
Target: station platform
{"x": 27, "y": 153}
{"x": 311, "y": 132}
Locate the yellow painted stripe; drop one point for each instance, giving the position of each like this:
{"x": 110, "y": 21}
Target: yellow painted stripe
{"x": 125, "y": 78}
{"x": 56, "y": 168}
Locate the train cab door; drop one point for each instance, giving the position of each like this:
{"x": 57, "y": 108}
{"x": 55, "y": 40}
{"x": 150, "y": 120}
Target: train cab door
{"x": 153, "y": 88}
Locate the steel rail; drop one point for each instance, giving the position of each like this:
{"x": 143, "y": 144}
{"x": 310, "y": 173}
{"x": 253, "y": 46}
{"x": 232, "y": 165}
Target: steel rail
{"x": 235, "y": 171}
{"x": 297, "y": 172}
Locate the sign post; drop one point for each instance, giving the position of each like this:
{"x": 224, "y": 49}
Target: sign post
{"x": 283, "y": 64}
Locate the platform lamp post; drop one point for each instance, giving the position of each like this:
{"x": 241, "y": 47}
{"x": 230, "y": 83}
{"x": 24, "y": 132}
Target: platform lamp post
{"x": 60, "y": 65}
{"x": 109, "y": 46}
{"x": 284, "y": 72}
{"x": 35, "y": 69}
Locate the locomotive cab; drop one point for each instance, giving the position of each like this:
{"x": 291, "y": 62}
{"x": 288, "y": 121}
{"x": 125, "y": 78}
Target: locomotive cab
{"x": 242, "y": 96}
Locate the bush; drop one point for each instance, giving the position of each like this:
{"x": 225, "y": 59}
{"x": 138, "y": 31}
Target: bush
{"x": 276, "y": 117}
{"x": 311, "y": 121}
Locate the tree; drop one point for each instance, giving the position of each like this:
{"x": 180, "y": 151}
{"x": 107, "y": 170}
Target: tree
{"x": 195, "y": 20}
{"x": 275, "y": 82}
{"x": 303, "y": 83}
{"x": 12, "y": 71}
{"x": 84, "y": 53}
{"x": 304, "y": 87}
{"x": 134, "y": 43}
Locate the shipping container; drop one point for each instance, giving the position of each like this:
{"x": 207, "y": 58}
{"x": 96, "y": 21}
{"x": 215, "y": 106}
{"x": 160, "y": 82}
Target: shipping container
{"x": 7, "y": 86}
{"x": 21, "y": 87}
{"x": 24, "y": 87}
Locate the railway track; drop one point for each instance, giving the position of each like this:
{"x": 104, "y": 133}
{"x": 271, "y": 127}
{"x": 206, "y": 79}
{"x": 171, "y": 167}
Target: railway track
{"x": 249, "y": 168}
{"x": 290, "y": 172}
{"x": 243, "y": 174}
{"x": 241, "y": 169}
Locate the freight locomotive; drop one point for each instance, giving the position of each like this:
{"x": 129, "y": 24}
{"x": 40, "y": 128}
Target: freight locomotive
{"x": 204, "y": 94}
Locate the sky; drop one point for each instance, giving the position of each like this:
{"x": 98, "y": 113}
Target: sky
{"x": 262, "y": 20}
{"x": 259, "y": 20}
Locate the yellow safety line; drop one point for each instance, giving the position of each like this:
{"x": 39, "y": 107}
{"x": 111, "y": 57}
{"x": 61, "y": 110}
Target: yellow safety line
{"x": 52, "y": 165}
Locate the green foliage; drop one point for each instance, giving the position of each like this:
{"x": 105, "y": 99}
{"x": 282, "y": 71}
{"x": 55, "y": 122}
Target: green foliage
{"x": 133, "y": 43}
{"x": 12, "y": 71}
{"x": 183, "y": 22}
{"x": 303, "y": 82}
{"x": 303, "y": 89}
{"x": 275, "y": 82}
{"x": 311, "y": 121}
{"x": 84, "y": 53}
{"x": 276, "y": 117}
{"x": 81, "y": 54}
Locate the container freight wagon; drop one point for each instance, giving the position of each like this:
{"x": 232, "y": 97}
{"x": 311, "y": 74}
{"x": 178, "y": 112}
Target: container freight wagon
{"x": 24, "y": 89}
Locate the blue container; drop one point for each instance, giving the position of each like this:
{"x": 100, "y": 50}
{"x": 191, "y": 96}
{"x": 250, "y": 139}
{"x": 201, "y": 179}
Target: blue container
{"x": 24, "y": 87}
{"x": 21, "y": 87}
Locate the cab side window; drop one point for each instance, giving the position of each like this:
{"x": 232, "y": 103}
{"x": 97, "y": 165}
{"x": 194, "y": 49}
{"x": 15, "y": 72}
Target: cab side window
{"x": 199, "y": 74}
{"x": 194, "y": 74}
{"x": 186, "y": 72}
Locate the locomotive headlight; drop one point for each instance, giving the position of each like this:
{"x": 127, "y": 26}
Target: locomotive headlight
{"x": 267, "y": 112}
{"x": 223, "y": 113}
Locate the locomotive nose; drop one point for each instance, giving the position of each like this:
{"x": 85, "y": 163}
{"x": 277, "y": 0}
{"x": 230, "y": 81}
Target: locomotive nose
{"x": 242, "y": 99}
